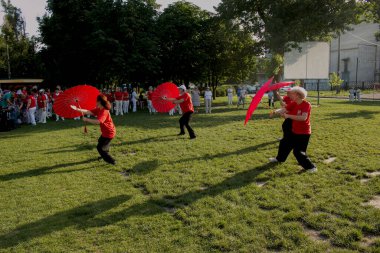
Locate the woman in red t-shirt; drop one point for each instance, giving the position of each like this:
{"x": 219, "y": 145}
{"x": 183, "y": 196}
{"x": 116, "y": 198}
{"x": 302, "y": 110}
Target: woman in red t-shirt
{"x": 184, "y": 101}
{"x": 102, "y": 113}
{"x": 299, "y": 112}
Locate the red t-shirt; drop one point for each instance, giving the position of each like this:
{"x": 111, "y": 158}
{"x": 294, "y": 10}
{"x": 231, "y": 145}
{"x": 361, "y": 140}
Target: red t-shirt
{"x": 301, "y": 127}
{"x": 33, "y": 101}
{"x": 56, "y": 95}
{"x": 150, "y": 93}
{"x": 126, "y": 96}
{"x": 41, "y": 101}
{"x": 119, "y": 95}
{"x": 106, "y": 124}
{"x": 24, "y": 92}
{"x": 186, "y": 105}
{"x": 109, "y": 97}
{"x": 287, "y": 100}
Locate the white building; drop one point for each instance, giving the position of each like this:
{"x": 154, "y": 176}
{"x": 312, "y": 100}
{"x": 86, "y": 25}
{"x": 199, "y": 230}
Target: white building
{"x": 355, "y": 55}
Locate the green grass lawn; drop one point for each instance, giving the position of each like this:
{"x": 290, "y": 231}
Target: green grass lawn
{"x": 214, "y": 194}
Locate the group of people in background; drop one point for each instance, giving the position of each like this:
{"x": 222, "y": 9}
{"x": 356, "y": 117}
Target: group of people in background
{"x": 27, "y": 106}
{"x": 355, "y": 95}
{"x": 33, "y": 106}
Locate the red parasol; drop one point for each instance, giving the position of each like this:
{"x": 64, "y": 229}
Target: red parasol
{"x": 82, "y": 96}
{"x": 169, "y": 90}
{"x": 256, "y": 100}
{"x": 277, "y": 86}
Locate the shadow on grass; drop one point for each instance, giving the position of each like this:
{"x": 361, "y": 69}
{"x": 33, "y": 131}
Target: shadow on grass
{"x": 236, "y": 152}
{"x": 349, "y": 115}
{"x": 157, "y": 206}
{"x": 43, "y": 170}
{"x": 143, "y": 168}
{"x": 82, "y": 216}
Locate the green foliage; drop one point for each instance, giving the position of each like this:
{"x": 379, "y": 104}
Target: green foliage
{"x": 335, "y": 81}
{"x": 23, "y": 59}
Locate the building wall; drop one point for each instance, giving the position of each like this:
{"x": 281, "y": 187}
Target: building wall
{"x": 359, "y": 49}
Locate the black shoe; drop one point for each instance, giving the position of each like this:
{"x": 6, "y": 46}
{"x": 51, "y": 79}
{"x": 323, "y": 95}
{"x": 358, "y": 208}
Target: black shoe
{"x": 181, "y": 134}
{"x": 193, "y": 137}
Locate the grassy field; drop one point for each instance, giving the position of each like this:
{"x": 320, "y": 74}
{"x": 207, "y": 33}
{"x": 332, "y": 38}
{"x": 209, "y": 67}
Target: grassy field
{"x": 214, "y": 194}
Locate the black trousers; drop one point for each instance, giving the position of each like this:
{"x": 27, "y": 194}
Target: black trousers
{"x": 184, "y": 122}
{"x": 298, "y": 143}
{"x": 287, "y": 127}
{"x": 104, "y": 148}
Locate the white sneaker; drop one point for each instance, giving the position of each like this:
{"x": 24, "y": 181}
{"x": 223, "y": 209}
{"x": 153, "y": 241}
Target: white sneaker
{"x": 313, "y": 170}
{"x": 273, "y": 160}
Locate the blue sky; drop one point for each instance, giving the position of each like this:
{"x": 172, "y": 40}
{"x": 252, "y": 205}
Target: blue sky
{"x": 31, "y": 9}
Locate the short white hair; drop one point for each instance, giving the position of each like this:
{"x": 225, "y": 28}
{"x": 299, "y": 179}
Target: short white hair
{"x": 300, "y": 91}
{"x": 182, "y": 87}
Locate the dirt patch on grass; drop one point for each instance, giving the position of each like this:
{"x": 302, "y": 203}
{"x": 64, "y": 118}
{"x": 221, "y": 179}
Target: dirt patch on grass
{"x": 329, "y": 160}
{"x": 314, "y": 235}
{"x": 375, "y": 202}
{"x": 373, "y": 174}
{"x": 261, "y": 184}
{"x": 368, "y": 241}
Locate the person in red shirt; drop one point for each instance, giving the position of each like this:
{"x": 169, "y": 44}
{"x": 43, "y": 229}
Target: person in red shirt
{"x": 184, "y": 101}
{"x": 42, "y": 106}
{"x": 110, "y": 98}
{"x": 299, "y": 112}
{"x": 31, "y": 107}
{"x": 102, "y": 113}
{"x": 55, "y": 96}
{"x": 125, "y": 101}
{"x": 118, "y": 97}
{"x": 149, "y": 97}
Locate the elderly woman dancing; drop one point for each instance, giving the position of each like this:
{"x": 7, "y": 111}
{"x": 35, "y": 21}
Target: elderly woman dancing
{"x": 299, "y": 112}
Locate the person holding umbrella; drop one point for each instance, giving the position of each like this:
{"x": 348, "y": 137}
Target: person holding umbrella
{"x": 107, "y": 127}
{"x": 298, "y": 140}
{"x": 184, "y": 101}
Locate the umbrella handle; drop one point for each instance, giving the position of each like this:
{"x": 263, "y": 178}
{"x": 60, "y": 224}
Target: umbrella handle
{"x": 85, "y": 125}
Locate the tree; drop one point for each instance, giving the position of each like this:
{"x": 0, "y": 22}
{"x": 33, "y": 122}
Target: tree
{"x": 229, "y": 52}
{"x": 280, "y": 25}
{"x": 23, "y": 60}
{"x": 100, "y": 41}
{"x": 335, "y": 82}
{"x": 179, "y": 29}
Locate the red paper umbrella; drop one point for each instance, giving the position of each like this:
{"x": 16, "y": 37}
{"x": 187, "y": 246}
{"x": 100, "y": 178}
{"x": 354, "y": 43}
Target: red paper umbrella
{"x": 277, "y": 86}
{"x": 169, "y": 90}
{"x": 256, "y": 100}
{"x": 82, "y": 96}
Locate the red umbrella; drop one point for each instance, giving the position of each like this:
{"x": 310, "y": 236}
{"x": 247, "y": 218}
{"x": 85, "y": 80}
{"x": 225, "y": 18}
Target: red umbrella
{"x": 277, "y": 86}
{"x": 256, "y": 100}
{"x": 169, "y": 90}
{"x": 82, "y": 96}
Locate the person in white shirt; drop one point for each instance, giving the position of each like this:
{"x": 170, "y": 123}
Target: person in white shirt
{"x": 351, "y": 91}
{"x": 242, "y": 98}
{"x": 358, "y": 95}
{"x": 230, "y": 95}
{"x": 208, "y": 100}
{"x": 134, "y": 100}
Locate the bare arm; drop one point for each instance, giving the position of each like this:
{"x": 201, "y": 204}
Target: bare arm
{"x": 86, "y": 112}
{"x": 302, "y": 117}
{"x": 92, "y": 121}
{"x": 29, "y": 103}
{"x": 278, "y": 96}
{"x": 173, "y": 100}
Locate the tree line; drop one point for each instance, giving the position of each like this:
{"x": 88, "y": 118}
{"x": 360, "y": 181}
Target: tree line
{"x": 132, "y": 41}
